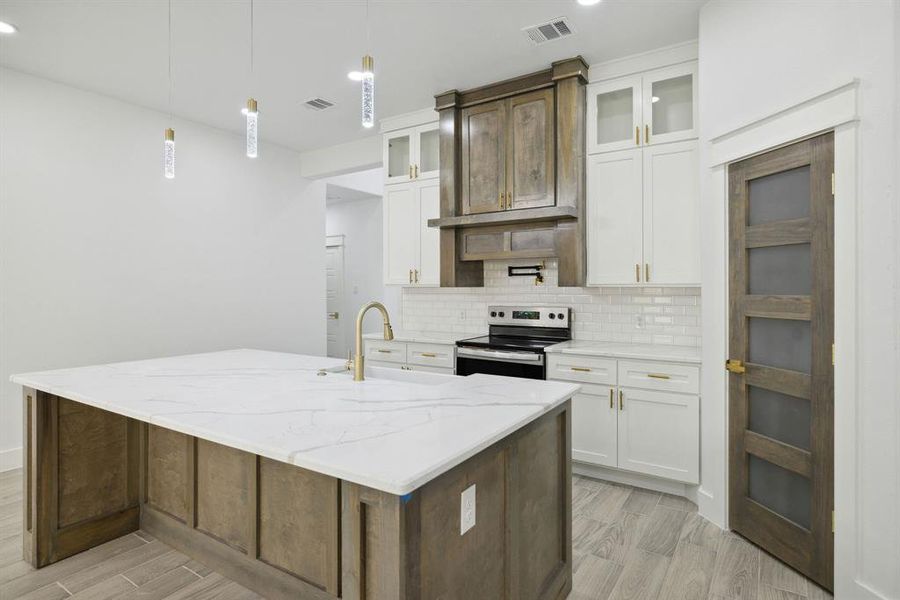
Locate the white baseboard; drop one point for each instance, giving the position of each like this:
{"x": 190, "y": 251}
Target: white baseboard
{"x": 635, "y": 479}
{"x": 10, "y": 459}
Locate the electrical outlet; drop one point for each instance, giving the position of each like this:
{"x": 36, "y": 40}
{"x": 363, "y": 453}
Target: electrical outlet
{"x": 467, "y": 509}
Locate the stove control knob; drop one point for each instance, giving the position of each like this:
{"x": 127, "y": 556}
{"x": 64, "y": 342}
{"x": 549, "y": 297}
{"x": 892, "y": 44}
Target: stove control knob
{"x": 493, "y": 313}
{"x": 502, "y": 314}
{"x": 552, "y": 316}
{"x": 561, "y": 316}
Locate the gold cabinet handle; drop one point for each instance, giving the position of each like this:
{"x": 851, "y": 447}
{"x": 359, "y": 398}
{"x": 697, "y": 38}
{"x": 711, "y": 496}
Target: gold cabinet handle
{"x": 508, "y": 200}
{"x": 621, "y": 400}
{"x": 416, "y": 172}
{"x": 500, "y": 200}
{"x": 658, "y": 376}
{"x": 611, "y": 398}
{"x": 735, "y": 366}
{"x": 581, "y": 369}
{"x": 383, "y": 351}
{"x": 429, "y": 354}
{"x": 647, "y": 272}
{"x": 410, "y": 275}
{"x": 637, "y": 272}
{"x": 637, "y": 135}
{"x": 646, "y": 134}
{"x": 415, "y": 276}
{"x": 410, "y": 172}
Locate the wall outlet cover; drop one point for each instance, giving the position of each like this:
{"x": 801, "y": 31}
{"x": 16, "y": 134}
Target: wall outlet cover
{"x": 467, "y": 510}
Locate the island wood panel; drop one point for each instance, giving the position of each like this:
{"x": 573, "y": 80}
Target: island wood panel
{"x": 83, "y": 477}
{"x": 225, "y": 485}
{"x": 169, "y": 453}
{"x": 299, "y": 523}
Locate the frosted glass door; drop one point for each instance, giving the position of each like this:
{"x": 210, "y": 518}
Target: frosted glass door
{"x": 781, "y": 396}
{"x": 614, "y": 115}
{"x": 427, "y": 164}
{"x": 670, "y": 104}
{"x": 398, "y": 156}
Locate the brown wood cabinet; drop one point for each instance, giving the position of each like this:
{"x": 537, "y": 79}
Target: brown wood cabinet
{"x": 508, "y": 153}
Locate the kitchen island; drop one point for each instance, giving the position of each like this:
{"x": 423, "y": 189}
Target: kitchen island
{"x": 292, "y": 479}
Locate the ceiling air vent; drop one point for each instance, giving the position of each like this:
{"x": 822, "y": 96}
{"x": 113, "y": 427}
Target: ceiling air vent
{"x": 549, "y": 31}
{"x": 318, "y": 104}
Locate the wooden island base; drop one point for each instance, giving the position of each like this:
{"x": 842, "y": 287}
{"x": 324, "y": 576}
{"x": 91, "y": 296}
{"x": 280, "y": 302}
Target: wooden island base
{"x": 287, "y": 532}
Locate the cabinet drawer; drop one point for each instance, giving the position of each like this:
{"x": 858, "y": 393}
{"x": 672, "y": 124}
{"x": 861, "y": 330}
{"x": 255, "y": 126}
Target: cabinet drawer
{"x": 670, "y": 377}
{"x": 381, "y": 351}
{"x": 437, "y": 370}
{"x": 584, "y": 369}
{"x": 431, "y": 355}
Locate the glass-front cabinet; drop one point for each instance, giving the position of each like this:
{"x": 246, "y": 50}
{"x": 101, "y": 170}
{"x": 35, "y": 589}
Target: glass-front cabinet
{"x": 411, "y": 154}
{"x": 655, "y": 107}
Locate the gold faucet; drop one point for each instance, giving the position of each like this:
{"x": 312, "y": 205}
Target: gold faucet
{"x": 358, "y": 360}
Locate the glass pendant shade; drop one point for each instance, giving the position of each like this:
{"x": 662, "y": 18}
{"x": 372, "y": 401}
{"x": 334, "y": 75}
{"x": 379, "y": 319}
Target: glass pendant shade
{"x": 169, "y": 154}
{"x": 368, "y": 91}
{"x": 252, "y": 128}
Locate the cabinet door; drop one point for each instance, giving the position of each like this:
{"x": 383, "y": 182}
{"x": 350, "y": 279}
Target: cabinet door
{"x": 672, "y": 214}
{"x": 427, "y": 164}
{"x": 659, "y": 434}
{"x": 670, "y": 104}
{"x": 429, "y": 201}
{"x": 614, "y": 218}
{"x": 614, "y": 115}
{"x": 399, "y": 148}
{"x": 594, "y": 412}
{"x": 483, "y": 157}
{"x": 530, "y": 176}
{"x": 400, "y": 210}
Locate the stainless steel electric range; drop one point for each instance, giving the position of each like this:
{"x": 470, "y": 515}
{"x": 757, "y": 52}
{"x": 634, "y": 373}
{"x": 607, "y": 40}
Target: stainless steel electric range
{"x": 514, "y": 346}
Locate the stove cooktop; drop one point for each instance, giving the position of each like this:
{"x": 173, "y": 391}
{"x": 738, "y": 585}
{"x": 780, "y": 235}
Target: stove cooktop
{"x": 504, "y": 342}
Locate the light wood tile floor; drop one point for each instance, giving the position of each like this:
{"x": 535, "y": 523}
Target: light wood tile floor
{"x": 628, "y": 544}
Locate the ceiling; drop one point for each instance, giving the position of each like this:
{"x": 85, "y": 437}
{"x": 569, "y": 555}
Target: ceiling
{"x": 305, "y": 48}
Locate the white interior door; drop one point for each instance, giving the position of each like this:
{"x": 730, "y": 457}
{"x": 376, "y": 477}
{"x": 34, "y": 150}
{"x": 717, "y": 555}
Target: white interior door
{"x": 401, "y": 233}
{"x": 672, "y": 214}
{"x": 614, "y": 218}
{"x": 334, "y": 296}
{"x": 658, "y": 433}
{"x": 594, "y": 415}
{"x": 429, "y": 193}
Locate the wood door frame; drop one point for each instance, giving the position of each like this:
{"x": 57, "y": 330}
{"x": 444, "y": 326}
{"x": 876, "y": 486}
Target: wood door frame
{"x": 808, "y": 550}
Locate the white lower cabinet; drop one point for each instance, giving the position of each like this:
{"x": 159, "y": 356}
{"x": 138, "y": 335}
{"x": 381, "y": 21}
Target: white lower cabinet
{"x": 594, "y": 415}
{"x": 411, "y": 356}
{"x": 643, "y": 426}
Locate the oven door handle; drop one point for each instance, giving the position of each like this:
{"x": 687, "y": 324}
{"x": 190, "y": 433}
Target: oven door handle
{"x": 498, "y": 354}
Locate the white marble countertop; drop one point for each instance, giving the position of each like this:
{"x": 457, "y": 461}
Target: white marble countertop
{"x": 395, "y": 431}
{"x": 682, "y": 354}
{"x": 418, "y": 337}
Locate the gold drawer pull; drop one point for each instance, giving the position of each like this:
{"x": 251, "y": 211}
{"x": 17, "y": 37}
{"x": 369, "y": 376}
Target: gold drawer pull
{"x": 611, "y": 397}
{"x": 621, "y": 400}
{"x": 637, "y": 135}
{"x": 658, "y": 376}
{"x": 582, "y": 369}
{"x": 429, "y": 354}
{"x": 383, "y": 351}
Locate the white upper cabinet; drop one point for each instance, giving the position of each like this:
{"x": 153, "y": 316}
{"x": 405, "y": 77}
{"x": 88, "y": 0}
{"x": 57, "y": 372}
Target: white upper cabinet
{"x": 614, "y": 115}
{"x": 671, "y": 214}
{"x": 655, "y": 107}
{"x": 670, "y": 104}
{"x": 411, "y": 154}
{"x": 615, "y": 218}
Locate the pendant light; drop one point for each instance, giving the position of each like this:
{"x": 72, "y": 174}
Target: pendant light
{"x": 252, "y": 112}
{"x": 368, "y": 82}
{"x": 169, "y": 146}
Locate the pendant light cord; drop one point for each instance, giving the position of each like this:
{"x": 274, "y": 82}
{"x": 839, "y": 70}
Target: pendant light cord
{"x": 170, "y": 61}
{"x": 368, "y": 37}
{"x": 251, "y": 41}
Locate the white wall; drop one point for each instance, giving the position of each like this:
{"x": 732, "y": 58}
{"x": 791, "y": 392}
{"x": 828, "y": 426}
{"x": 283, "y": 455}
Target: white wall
{"x": 360, "y": 222}
{"x": 757, "y": 58}
{"x": 103, "y": 259}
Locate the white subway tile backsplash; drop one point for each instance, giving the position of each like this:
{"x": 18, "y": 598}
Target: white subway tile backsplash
{"x": 610, "y": 314}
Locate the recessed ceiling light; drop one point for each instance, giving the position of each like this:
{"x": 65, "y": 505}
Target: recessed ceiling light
{"x": 654, "y": 99}
{"x": 355, "y": 75}
{"x": 7, "y": 27}
{"x": 588, "y": 2}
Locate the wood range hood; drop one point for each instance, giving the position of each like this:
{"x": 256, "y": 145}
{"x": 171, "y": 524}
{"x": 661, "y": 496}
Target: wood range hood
{"x": 512, "y": 170}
